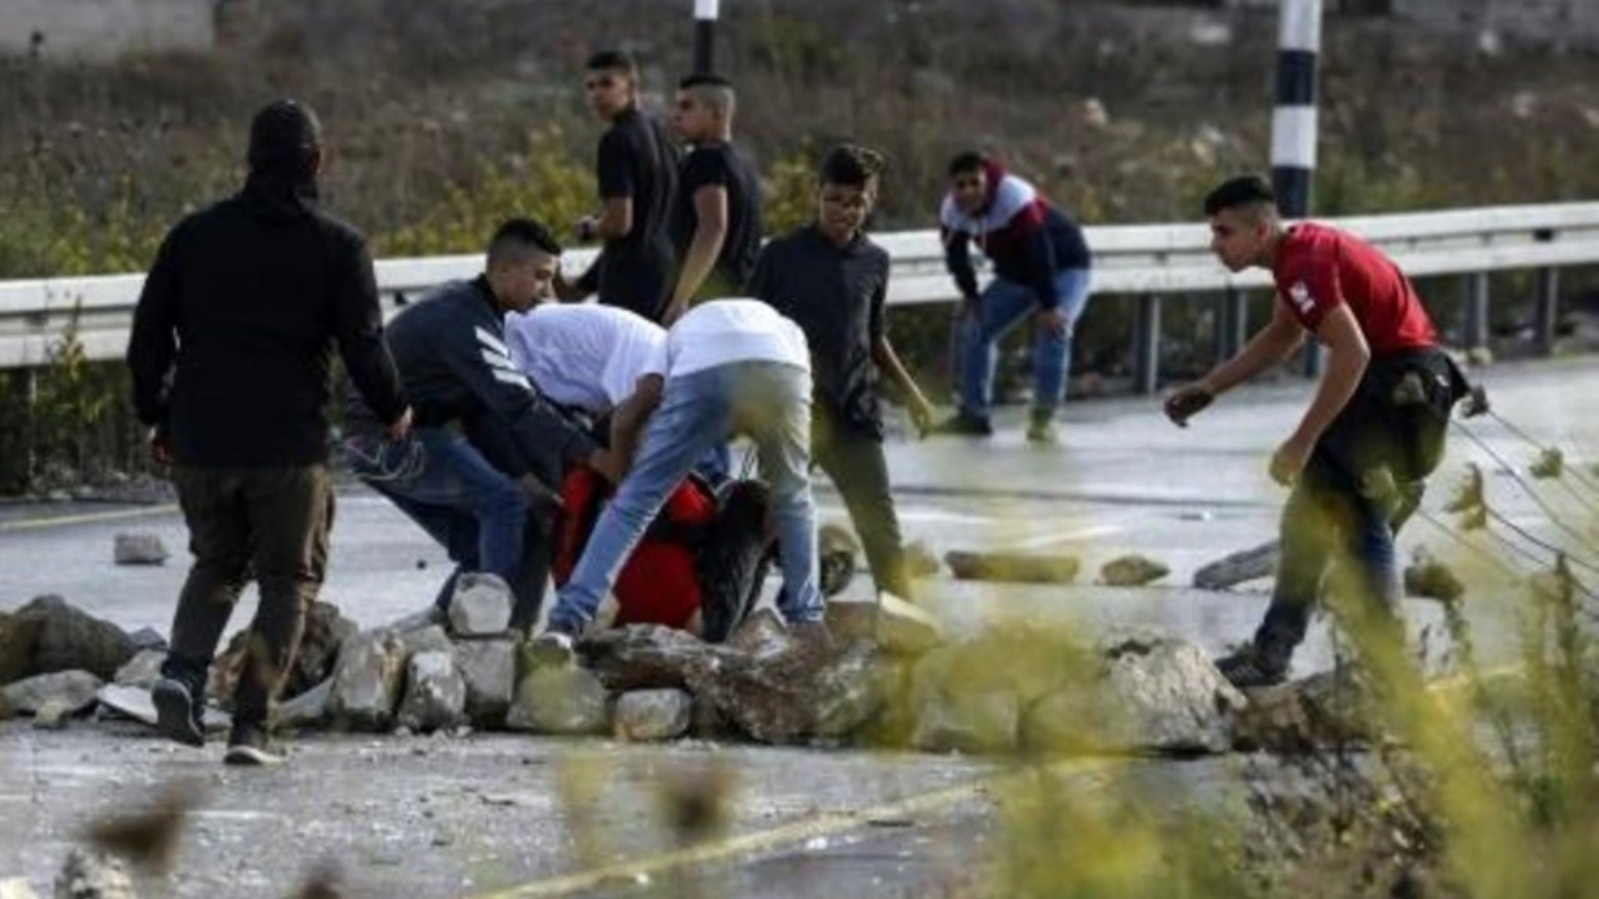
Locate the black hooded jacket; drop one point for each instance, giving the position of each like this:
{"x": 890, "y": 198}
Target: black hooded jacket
{"x": 233, "y": 336}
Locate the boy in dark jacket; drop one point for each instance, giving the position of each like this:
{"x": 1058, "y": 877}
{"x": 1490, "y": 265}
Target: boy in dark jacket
{"x": 832, "y": 280}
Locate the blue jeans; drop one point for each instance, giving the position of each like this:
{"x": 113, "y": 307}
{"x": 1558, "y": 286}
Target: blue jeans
{"x": 477, "y": 513}
{"x": 770, "y": 402}
{"x": 1004, "y": 305}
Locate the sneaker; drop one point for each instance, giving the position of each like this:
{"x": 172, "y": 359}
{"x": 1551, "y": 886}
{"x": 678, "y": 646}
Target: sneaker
{"x": 1043, "y": 432}
{"x": 1248, "y": 667}
{"x": 249, "y": 744}
{"x": 964, "y": 425}
{"x": 178, "y": 708}
{"x": 555, "y": 648}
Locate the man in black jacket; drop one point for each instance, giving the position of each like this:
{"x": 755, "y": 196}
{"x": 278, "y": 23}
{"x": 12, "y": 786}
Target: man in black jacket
{"x": 479, "y": 471}
{"x": 230, "y": 354}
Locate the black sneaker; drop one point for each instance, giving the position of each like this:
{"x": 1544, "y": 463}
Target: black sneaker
{"x": 964, "y": 425}
{"x": 178, "y": 707}
{"x": 1248, "y": 668}
{"x": 250, "y": 744}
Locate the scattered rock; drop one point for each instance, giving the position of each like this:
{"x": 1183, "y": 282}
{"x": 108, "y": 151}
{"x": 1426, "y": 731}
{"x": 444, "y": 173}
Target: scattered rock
{"x": 326, "y": 629}
{"x": 69, "y": 639}
{"x": 920, "y": 561}
{"x": 1479, "y": 357}
{"x": 890, "y": 622}
{"x": 18, "y": 634}
{"x": 134, "y": 702}
{"x": 1248, "y": 565}
{"x": 1166, "y": 696}
{"x": 968, "y": 722}
{"x": 91, "y": 875}
{"x": 1014, "y": 567}
{"x": 481, "y": 606}
{"x": 1318, "y": 712}
{"x": 489, "y": 669}
{"x": 566, "y": 701}
{"x": 643, "y": 715}
{"x": 142, "y": 548}
{"x": 836, "y": 550}
{"x": 427, "y": 639}
{"x": 1429, "y": 578}
{"x": 142, "y": 670}
{"x": 849, "y": 690}
{"x": 367, "y": 681}
{"x": 435, "y": 693}
{"x": 1132, "y": 571}
{"x": 148, "y": 638}
{"x": 309, "y": 709}
{"x": 53, "y": 715}
{"x": 73, "y": 689}
{"x": 760, "y": 635}
{"x": 645, "y": 656}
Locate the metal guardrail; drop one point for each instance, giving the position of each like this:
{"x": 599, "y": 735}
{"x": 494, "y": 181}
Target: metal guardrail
{"x": 1148, "y": 262}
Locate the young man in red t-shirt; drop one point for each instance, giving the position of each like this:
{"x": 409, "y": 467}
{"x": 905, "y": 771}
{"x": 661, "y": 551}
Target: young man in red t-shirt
{"x": 1373, "y": 431}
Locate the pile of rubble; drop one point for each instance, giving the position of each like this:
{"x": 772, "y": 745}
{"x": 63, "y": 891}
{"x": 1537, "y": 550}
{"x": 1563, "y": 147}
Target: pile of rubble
{"x": 887, "y": 677}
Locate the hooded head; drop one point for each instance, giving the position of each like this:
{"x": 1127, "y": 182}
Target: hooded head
{"x": 285, "y": 154}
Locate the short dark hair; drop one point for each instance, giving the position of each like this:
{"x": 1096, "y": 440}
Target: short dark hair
{"x": 518, "y": 238}
{"x": 704, "y": 79}
{"x": 1245, "y": 190}
{"x": 613, "y": 59}
{"x": 283, "y": 136}
{"x": 967, "y": 161}
{"x": 851, "y": 165}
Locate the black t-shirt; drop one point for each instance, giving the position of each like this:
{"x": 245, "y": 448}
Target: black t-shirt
{"x": 637, "y": 160}
{"x": 720, "y": 165}
{"x": 836, "y": 295}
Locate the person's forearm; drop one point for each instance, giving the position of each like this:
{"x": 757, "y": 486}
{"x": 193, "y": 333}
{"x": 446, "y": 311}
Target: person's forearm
{"x": 1338, "y": 384}
{"x": 889, "y": 362}
{"x": 1266, "y": 349}
{"x": 697, "y": 265}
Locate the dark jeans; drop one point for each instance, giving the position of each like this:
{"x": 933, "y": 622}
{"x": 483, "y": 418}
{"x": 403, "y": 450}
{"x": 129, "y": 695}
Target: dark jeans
{"x": 274, "y": 521}
{"x": 856, "y": 464}
{"x": 1328, "y": 522}
{"x": 480, "y": 515}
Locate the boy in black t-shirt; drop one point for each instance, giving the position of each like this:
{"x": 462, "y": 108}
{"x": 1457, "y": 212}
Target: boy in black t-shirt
{"x": 830, "y": 279}
{"x": 716, "y": 215}
{"x": 636, "y": 167}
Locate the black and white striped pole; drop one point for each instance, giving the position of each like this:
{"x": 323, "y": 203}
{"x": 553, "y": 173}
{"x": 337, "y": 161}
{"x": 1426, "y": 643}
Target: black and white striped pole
{"x": 705, "y": 35}
{"x": 1293, "y": 120}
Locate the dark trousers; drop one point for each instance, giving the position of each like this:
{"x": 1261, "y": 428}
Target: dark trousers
{"x": 856, "y": 464}
{"x": 271, "y": 523}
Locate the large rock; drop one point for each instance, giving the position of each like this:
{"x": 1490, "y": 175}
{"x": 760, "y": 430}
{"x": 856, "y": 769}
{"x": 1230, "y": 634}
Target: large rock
{"x": 481, "y": 605}
{"x": 761, "y": 635}
{"x": 489, "y": 669}
{"x": 325, "y": 632}
{"x": 134, "y": 703}
{"x": 1246, "y": 565}
{"x": 367, "y": 681}
{"x": 1016, "y": 567}
{"x": 18, "y": 634}
{"x": 564, "y": 700}
{"x": 1152, "y": 695}
{"x": 1324, "y": 710}
{"x": 892, "y": 623}
{"x": 142, "y": 548}
{"x": 643, "y": 715}
{"x": 143, "y": 670}
{"x": 850, "y": 689}
{"x": 970, "y": 722}
{"x": 91, "y": 875}
{"x": 73, "y": 689}
{"x": 645, "y": 656}
{"x": 791, "y": 696}
{"x": 69, "y": 639}
{"x": 16, "y": 888}
{"x": 435, "y": 693}
{"x": 428, "y": 639}
{"x": 1132, "y": 571}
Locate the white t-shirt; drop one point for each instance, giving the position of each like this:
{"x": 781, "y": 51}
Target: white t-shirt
{"x": 585, "y": 355}
{"x": 720, "y": 332}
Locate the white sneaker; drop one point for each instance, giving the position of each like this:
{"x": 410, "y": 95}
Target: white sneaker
{"x": 552, "y": 649}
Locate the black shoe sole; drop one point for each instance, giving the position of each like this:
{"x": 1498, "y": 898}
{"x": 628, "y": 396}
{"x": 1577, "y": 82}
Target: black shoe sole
{"x": 251, "y": 756}
{"x": 174, "y": 713}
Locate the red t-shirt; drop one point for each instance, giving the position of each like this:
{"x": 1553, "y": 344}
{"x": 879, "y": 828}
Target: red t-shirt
{"x": 1321, "y": 268}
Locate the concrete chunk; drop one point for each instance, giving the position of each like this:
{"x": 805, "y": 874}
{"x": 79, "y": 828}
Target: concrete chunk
{"x": 1132, "y": 571}
{"x": 565, "y": 701}
{"x": 367, "y": 681}
{"x": 481, "y": 606}
{"x": 489, "y": 669}
{"x": 435, "y": 693}
{"x": 968, "y": 722}
{"x": 1248, "y": 565}
{"x": 1014, "y": 567}
{"x": 904, "y": 629}
{"x": 309, "y": 709}
{"x": 652, "y": 715}
{"x": 16, "y": 888}
{"x": 90, "y": 875}
{"x": 141, "y": 548}
{"x": 142, "y": 670}
{"x": 73, "y": 689}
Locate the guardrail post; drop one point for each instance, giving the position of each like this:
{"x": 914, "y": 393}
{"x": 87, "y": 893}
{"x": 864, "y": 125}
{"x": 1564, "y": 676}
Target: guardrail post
{"x": 1232, "y": 323}
{"x": 1548, "y": 314}
{"x": 1476, "y": 310}
{"x": 1146, "y": 344}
